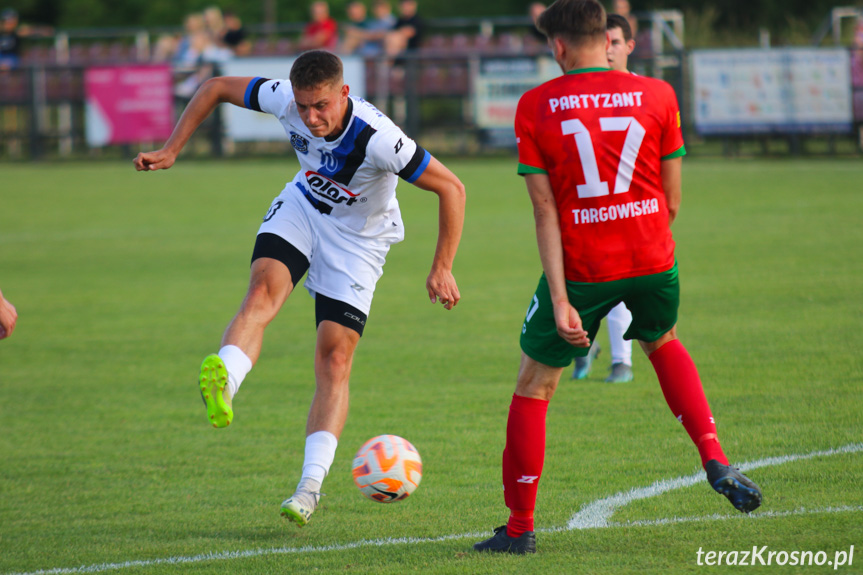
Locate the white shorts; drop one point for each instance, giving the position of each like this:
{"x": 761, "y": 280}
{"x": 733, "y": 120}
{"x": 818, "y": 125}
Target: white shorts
{"x": 343, "y": 266}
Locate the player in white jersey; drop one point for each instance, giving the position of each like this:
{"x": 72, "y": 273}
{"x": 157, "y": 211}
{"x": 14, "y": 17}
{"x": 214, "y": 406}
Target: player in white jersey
{"x": 621, "y": 44}
{"x": 336, "y": 220}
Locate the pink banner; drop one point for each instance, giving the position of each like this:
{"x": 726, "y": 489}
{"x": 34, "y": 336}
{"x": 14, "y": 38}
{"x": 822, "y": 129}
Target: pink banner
{"x": 128, "y": 104}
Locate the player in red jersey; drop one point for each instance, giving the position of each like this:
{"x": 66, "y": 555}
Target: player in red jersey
{"x": 621, "y": 45}
{"x": 601, "y": 152}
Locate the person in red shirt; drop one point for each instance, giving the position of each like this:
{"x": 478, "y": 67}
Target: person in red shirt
{"x": 322, "y": 33}
{"x": 601, "y": 154}
{"x": 621, "y": 45}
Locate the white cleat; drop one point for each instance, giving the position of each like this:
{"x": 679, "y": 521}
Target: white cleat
{"x": 300, "y": 506}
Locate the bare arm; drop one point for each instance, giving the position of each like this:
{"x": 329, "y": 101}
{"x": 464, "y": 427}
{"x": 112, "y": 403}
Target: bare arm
{"x": 671, "y": 185}
{"x": 441, "y": 284}
{"x": 8, "y": 317}
{"x": 551, "y": 254}
{"x": 211, "y": 93}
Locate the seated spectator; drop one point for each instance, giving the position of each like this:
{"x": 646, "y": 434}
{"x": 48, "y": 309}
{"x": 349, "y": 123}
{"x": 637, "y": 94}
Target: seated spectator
{"x": 197, "y": 51}
{"x": 534, "y": 10}
{"x": 184, "y": 51}
{"x": 368, "y": 39}
{"x": 408, "y": 31}
{"x": 10, "y": 38}
{"x": 234, "y": 35}
{"x": 322, "y": 31}
{"x": 622, "y": 7}
{"x": 355, "y": 27}
{"x": 214, "y": 21}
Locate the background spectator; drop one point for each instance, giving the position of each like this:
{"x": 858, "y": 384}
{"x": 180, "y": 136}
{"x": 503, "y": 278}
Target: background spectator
{"x": 197, "y": 51}
{"x": 534, "y": 10}
{"x": 184, "y": 51}
{"x": 355, "y": 27}
{"x": 215, "y": 22}
{"x": 234, "y": 35}
{"x": 408, "y": 31}
{"x": 322, "y": 31}
{"x": 10, "y": 38}
{"x": 623, "y": 8}
{"x": 368, "y": 39}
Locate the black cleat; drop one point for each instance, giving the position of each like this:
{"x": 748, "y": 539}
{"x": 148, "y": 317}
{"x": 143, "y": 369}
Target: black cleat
{"x": 741, "y": 491}
{"x": 503, "y": 543}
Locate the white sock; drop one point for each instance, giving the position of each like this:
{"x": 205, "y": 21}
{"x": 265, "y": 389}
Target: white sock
{"x": 320, "y": 452}
{"x": 619, "y": 319}
{"x": 238, "y": 365}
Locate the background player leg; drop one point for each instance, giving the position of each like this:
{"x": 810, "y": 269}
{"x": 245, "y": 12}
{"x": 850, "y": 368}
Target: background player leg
{"x": 619, "y": 319}
{"x": 334, "y": 355}
{"x": 584, "y": 364}
{"x": 270, "y": 285}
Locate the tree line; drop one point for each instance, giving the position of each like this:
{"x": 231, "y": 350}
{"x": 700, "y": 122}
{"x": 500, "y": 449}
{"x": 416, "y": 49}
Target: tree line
{"x": 722, "y": 18}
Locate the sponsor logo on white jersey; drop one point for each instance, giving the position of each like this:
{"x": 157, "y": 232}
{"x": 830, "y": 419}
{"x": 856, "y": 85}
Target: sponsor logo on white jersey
{"x": 327, "y": 188}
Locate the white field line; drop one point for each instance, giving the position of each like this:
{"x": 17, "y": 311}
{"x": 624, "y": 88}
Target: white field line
{"x": 739, "y": 516}
{"x": 598, "y": 513}
{"x": 593, "y": 515}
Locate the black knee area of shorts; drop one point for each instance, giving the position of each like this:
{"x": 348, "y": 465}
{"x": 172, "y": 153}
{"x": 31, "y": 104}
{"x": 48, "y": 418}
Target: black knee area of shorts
{"x": 339, "y": 312}
{"x": 278, "y": 248}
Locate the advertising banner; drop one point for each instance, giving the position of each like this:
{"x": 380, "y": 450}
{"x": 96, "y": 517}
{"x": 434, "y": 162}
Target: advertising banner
{"x": 789, "y": 90}
{"x": 498, "y": 86}
{"x": 128, "y": 104}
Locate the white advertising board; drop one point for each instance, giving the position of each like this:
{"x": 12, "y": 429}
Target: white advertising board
{"x": 248, "y": 125}
{"x": 788, "y": 90}
{"x": 498, "y": 86}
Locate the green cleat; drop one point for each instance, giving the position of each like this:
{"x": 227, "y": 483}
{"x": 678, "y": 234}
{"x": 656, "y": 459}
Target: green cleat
{"x": 214, "y": 378}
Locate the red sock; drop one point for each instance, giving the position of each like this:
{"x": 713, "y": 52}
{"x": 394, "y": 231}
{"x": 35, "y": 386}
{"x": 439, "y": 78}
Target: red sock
{"x": 523, "y": 458}
{"x": 682, "y": 389}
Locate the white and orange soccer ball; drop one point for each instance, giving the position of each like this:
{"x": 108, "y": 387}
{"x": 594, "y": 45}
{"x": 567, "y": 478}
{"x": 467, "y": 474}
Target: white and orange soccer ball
{"x": 387, "y": 468}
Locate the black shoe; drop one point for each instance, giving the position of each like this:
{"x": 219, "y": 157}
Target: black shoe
{"x": 503, "y": 543}
{"x": 741, "y": 491}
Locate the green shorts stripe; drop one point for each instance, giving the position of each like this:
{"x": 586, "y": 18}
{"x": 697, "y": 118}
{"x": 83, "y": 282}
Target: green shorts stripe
{"x": 653, "y": 300}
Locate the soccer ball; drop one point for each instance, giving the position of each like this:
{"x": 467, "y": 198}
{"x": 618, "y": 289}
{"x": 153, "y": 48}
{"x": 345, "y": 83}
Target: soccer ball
{"x": 387, "y": 468}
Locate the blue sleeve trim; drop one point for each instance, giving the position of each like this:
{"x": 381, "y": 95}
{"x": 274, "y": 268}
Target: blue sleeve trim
{"x": 250, "y": 99}
{"x": 421, "y": 168}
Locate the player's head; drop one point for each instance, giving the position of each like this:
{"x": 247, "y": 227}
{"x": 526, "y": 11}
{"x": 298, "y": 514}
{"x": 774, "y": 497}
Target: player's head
{"x": 320, "y": 92}
{"x": 621, "y": 42}
{"x": 577, "y": 22}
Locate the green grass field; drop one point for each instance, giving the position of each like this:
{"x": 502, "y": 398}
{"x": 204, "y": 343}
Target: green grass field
{"x": 125, "y": 281}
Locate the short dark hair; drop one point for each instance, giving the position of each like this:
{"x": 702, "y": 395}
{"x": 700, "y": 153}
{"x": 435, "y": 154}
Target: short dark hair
{"x": 618, "y": 21}
{"x": 316, "y": 68}
{"x": 575, "y": 21}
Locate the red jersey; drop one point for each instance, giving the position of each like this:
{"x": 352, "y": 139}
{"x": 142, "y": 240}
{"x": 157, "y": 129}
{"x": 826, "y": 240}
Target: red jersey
{"x": 329, "y": 28}
{"x": 600, "y": 136}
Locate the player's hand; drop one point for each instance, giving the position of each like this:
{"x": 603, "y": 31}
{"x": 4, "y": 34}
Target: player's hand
{"x": 569, "y": 325}
{"x": 158, "y": 160}
{"x": 8, "y": 317}
{"x": 442, "y": 288}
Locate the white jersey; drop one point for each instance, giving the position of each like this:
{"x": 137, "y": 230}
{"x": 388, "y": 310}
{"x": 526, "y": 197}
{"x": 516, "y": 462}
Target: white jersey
{"x": 351, "y": 179}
